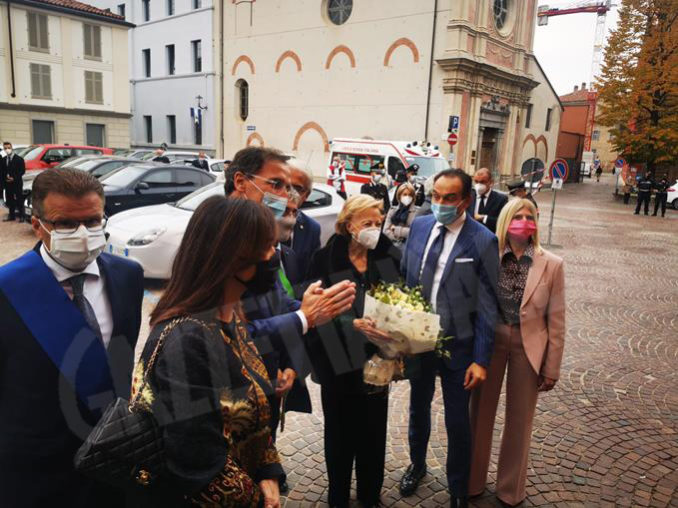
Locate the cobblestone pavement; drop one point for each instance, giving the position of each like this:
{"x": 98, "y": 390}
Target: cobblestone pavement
{"x": 607, "y": 435}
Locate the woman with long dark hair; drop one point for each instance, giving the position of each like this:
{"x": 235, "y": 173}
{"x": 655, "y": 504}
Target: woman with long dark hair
{"x": 207, "y": 387}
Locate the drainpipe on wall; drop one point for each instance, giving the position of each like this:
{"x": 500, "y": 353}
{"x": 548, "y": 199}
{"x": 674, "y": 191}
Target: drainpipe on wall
{"x": 11, "y": 48}
{"x": 220, "y": 80}
{"x": 430, "y": 68}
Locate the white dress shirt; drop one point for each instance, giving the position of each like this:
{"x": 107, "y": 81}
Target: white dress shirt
{"x": 94, "y": 290}
{"x": 453, "y": 230}
{"x": 478, "y": 198}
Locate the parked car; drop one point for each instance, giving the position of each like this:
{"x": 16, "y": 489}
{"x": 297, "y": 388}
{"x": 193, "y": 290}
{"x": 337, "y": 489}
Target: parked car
{"x": 139, "y": 154}
{"x": 151, "y": 235}
{"x": 145, "y": 183}
{"x": 672, "y": 196}
{"x": 175, "y": 155}
{"x": 18, "y": 149}
{"x": 48, "y": 156}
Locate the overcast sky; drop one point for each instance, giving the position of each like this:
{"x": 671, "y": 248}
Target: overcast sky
{"x": 564, "y": 47}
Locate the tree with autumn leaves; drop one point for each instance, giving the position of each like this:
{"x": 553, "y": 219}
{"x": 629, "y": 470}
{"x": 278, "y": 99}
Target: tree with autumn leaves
{"x": 638, "y": 88}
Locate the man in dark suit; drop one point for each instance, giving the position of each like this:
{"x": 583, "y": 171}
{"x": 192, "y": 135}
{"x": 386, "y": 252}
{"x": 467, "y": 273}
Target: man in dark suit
{"x": 487, "y": 203}
{"x": 455, "y": 260}
{"x": 70, "y": 321}
{"x": 160, "y": 156}
{"x": 201, "y": 162}
{"x": 305, "y": 239}
{"x": 12, "y": 170}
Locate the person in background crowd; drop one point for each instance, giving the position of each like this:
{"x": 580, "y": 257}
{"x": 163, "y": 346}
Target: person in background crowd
{"x": 275, "y": 321}
{"x": 518, "y": 189}
{"x": 455, "y": 260}
{"x": 528, "y": 347}
{"x": 377, "y": 187}
{"x": 487, "y": 203}
{"x": 305, "y": 239}
{"x": 627, "y": 188}
{"x": 419, "y": 190}
{"x": 400, "y": 217}
{"x": 70, "y": 319}
{"x": 336, "y": 176}
{"x": 645, "y": 186}
{"x": 207, "y": 388}
{"x": 662, "y": 187}
{"x": 355, "y": 417}
{"x": 201, "y": 161}
{"x": 12, "y": 170}
{"x": 599, "y": 171}
{"x": 160, "y": 156}
{"x": 289, "y": 273}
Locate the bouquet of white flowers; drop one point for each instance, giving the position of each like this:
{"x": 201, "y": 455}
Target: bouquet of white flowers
{"x": 405, "y": 315}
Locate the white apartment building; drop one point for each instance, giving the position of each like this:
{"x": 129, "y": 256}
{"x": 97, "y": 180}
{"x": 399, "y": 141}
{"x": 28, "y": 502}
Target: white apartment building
{"x": 173, "y": 81}
{"x": 63, "y": 74}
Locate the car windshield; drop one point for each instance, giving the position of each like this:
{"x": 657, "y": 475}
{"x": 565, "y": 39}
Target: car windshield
{"x": 87, "y": 164}
{"x": 193, "y": 200}
{"x": 147, "y": 156}
{"x": 32, "y": 152}
{"x": 428, "y": 166}
{"x": 21, "y": 151}
{"x": 123, "y": 177}
{"x": 73, "y": 161}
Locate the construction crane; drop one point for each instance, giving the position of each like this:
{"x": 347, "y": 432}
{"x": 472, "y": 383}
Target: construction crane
{"x": 598, "y": 7}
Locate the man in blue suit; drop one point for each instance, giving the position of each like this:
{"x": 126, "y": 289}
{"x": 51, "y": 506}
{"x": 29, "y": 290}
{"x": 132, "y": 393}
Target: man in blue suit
{"x": 70, "y": 320}
{"x": 455, "y": 259}
{"x": 305, "y": 239}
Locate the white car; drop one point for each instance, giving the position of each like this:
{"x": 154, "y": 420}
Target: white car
{"x": 151, "y": 235}
{"x": 672, "y": 196}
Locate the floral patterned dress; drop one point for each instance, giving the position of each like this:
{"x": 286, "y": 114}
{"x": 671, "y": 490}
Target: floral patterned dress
{"x": 207, "y": 390}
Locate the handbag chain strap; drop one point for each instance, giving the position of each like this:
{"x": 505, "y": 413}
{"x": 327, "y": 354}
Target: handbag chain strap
{"x": 163, "y": 335}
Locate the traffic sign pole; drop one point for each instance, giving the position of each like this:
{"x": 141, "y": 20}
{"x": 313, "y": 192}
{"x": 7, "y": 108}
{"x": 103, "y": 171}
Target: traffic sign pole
{"x": 558, "y": 170}
{"x": 553, "y": 208}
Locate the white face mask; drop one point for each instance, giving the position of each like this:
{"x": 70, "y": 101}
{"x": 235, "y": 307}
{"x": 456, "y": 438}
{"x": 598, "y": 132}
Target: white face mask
{"x": 285, "y": 228}
{"x": 368, "y": 237}
{"x": 376, "y": 178}
{"x": 406, "y": 200}
{"x": 481, "y": 188}
{"x": 8, "y": 151}
{"x": 76, "y": 250}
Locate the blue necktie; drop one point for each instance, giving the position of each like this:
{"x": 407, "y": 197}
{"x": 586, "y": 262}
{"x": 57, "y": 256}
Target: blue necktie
{"x": 431, "y": 262}
{"x": 82, "y": 303}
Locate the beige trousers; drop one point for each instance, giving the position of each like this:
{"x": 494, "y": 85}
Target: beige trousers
{"x": 521, "y": 402}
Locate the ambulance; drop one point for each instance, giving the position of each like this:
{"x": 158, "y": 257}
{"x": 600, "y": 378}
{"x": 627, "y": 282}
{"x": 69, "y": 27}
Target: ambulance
{"x": 360, "y": 155}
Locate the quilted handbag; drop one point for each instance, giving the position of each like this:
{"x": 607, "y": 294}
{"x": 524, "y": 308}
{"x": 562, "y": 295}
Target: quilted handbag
{"x": 126, "y": 444}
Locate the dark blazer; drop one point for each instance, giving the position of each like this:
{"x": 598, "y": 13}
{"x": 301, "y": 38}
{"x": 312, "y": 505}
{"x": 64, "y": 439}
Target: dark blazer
{"x": 15, "y": 169}
{"x": 377, "y": 191}
{"x": 200, "y": 164}
{"x": 466, "y": 300}
{"x": 161, "y": 158}
{"x": 493, "y": 205}
{"x": 277, "y": 332}
{"x": 337, "y": 351}
{"x": 305, "y": 241}
{"x": 292, "y": 266}
{"x": 41, "y": 425}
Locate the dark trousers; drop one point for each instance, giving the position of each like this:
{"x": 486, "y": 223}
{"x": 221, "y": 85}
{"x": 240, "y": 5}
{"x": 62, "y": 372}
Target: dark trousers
{"x": 355, "y": 429}
{"x": 456, "y": 402}
{"x": 14, "y": 198}
{"x": 627, "y": 197}
{"x": 660, "y": 200}
{"x": 643, "y": 197}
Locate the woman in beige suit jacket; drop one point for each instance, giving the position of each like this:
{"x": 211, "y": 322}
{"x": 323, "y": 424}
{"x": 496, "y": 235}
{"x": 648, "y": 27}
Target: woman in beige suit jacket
{"x": 528, "y": 347}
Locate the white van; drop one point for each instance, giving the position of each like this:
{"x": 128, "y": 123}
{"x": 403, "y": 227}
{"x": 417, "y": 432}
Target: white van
{"x": 361, "y": 154}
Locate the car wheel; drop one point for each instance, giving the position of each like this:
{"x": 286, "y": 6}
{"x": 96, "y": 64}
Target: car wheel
{"x": 675, "y": 204}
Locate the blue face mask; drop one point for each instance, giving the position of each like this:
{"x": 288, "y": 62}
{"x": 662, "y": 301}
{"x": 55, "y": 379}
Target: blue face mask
{"x": 276, "y": 204}
{"x": 445, "y": 214}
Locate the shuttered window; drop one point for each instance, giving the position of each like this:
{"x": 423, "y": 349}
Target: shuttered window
{"x": 41, "y": 81}
{"x": 92, "y": 34}
{"x": 38, "y": 36}
{"x": 94, "y": 91}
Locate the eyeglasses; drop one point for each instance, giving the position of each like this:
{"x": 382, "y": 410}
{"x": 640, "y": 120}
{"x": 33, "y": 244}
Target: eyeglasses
{"x": 301, "y": 190}
{"x": 66, "y": 226}
{"x": 277, "y": 184}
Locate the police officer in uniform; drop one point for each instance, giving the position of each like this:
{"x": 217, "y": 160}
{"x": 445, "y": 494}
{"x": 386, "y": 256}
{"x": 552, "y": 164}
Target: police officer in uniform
{"x": 12, "y": 170}
{"x": 375, "y": 187}
{"x": 662, "y": 195}
{"x": 644, "y": 191}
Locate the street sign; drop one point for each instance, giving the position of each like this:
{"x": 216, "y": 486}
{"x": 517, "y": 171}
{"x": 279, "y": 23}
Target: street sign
{"x": 620, "y": 163}
{"x": 452, "y": 139}
{"x": 454, "y": 123}
{"x": 559, "y": 169}
{"x": 532, "y": 170}
{"x": 251, "y": 128}
{"x": 557, "y": 184}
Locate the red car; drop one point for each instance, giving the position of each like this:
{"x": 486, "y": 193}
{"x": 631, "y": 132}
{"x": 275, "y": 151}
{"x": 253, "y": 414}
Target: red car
{"x": 47, "y": 156}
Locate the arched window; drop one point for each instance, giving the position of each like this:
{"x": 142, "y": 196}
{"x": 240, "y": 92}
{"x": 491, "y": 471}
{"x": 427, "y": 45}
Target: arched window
{"x": 243, "y": 98}
{"x": 339, "y": 10}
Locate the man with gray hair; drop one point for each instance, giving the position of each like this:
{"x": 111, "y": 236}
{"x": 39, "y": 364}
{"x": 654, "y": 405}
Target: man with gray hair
{"x": 70, "y": 317}
{"x": 305, "y": 239}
